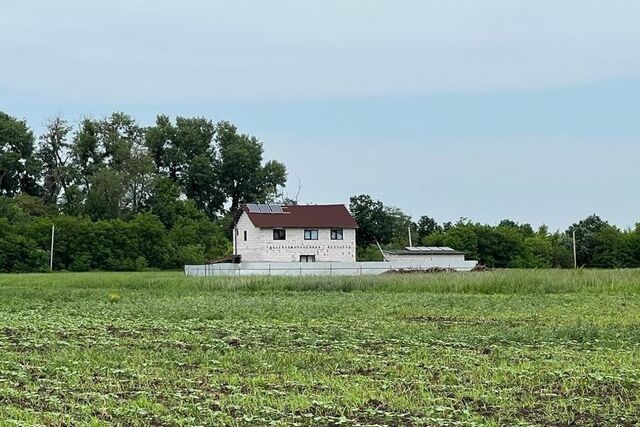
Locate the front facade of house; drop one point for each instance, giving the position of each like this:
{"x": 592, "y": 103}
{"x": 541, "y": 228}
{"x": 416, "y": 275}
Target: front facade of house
{"x": 296, "y": 233}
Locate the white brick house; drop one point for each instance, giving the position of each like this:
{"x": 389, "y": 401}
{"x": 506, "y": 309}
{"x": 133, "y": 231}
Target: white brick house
{"x": 296, "y": 233}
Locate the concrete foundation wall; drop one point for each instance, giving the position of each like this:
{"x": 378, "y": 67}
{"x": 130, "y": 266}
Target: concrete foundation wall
{"x": 313, "y": 268}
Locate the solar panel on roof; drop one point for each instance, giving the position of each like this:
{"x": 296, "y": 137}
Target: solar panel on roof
{"x": 264, "y": 208}
{"x": 253, "y": 207}
{"x": 276, "y": 208}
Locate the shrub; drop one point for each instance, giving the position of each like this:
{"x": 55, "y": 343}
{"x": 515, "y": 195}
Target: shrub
{"x": 81, "y": 262}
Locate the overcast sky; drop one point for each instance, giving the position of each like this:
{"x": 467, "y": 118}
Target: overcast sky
{"x": 482, "y": 109}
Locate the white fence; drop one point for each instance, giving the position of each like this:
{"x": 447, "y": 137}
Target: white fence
{"x": 315, "y": 268}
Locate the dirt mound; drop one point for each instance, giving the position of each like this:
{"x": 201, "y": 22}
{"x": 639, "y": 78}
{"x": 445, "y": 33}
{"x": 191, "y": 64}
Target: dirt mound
{"x": 421, "y": 270}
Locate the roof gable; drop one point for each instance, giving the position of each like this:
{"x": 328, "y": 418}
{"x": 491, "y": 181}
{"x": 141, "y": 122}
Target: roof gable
{"x": 304, "y": 216}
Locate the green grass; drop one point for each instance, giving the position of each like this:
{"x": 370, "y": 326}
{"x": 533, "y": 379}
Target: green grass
{"x": 499, "y": 348}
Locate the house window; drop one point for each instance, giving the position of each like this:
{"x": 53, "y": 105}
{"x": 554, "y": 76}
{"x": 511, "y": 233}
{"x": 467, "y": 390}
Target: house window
{"x": 310, "y": 234}
{"x": 245, "y": 235}
{"x": 279, "y": 234}
{"x": 336, "y": 234}
{"x": 307, "y": 258}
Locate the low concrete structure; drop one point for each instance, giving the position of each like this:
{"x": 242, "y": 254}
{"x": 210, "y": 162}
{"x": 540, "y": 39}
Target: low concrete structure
{"x": 438, "y": 256}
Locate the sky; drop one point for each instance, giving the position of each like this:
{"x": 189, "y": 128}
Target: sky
{"x": 527, "y": 110}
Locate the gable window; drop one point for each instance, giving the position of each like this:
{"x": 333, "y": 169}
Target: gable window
{"x": 336, "y": 234}
{"x": 279, "y": 234}
{"x": 310, "y": 234}
{"x": 245, "y": 235}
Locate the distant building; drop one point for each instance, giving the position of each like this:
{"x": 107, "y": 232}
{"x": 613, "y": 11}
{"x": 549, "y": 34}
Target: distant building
{"x": 436, "y": 256}
{"x": 295, "y": 233}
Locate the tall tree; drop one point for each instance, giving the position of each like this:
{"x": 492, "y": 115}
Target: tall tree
{"x": 53, "y": 153}
{"x": 137, "y": 179}
{"x": 19, "y": 169}
{"x": 88, "y": 151}
{"x": 105, "y": 195}
{"x": 114, "y": 145}
{"x": 158, "y": 140}
{"x": 426, "y": 227}
{"x": 375, "y": 224}
{"x": 173, "y": 147}
{"x": 241, "y": 175}
{"x": 586, "y": 231}
{"x": 201, "y": 186}
{"x": 164, "y": 200}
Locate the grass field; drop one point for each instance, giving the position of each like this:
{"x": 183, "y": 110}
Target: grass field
{"x": 496, "y": 348}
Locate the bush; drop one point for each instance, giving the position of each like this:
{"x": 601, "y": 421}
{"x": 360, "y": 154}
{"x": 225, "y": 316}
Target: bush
{"x": 190, "y": 255}
{"x": 81, "y": 262}
{"x": 140, "y": 263}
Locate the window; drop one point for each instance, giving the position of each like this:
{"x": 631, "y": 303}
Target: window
{"x": 307, "y": 258}
{"x": 310, "y": 234}
{"x": 279, "y": 234}
{"x": 245, "y": 235}
{"x": 336, "y": 234}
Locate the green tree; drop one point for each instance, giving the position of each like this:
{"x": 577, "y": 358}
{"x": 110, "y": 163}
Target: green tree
{"x": 202, "y": 233}
{"x": 561, "y": 255}
{"x": 241, "y": 175}
{"x": 137, "y": 179}
{"x": 586, "y": 230}
{"x": 151, "y": 239}
{"x": 375, "y": 223}
{"x": 201, "y": 186}
{"x": 19, "y": 169}
{"x": 164, "y": 200}
{"x": 611, "y": 248}
{"x": 121, "y": 138}
{"x": 105, "y": 196}
{"x": 173, "y": 147}
{"x": 88, "y": 151}
{"x": 401, "y": 223}
{"x": 53, "y": 153}
{"x": 426, "y": 227}
{"x": 461, "y": 237}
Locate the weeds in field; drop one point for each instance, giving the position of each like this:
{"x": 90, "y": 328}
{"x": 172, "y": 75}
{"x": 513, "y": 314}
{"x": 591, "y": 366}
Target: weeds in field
{"x": 498, "y": 348}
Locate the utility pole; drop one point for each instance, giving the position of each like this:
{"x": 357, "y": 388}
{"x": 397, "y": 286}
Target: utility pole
{"x": 575, "y": 258}
{"x": 53, "y": 234}
{"x": 409, "y": 230}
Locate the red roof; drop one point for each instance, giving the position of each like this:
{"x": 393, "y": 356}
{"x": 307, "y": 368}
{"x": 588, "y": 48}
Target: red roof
{"x": 302, "y": 216}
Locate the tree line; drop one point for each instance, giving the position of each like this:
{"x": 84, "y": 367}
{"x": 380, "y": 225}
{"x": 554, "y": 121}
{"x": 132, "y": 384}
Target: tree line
{"x": 125, "y": 196}
{"x": 128, "y": 197}
{"x": 505, "y": 245}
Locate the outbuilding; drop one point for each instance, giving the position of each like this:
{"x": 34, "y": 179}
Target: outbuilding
{"x": 436, "y": 256}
